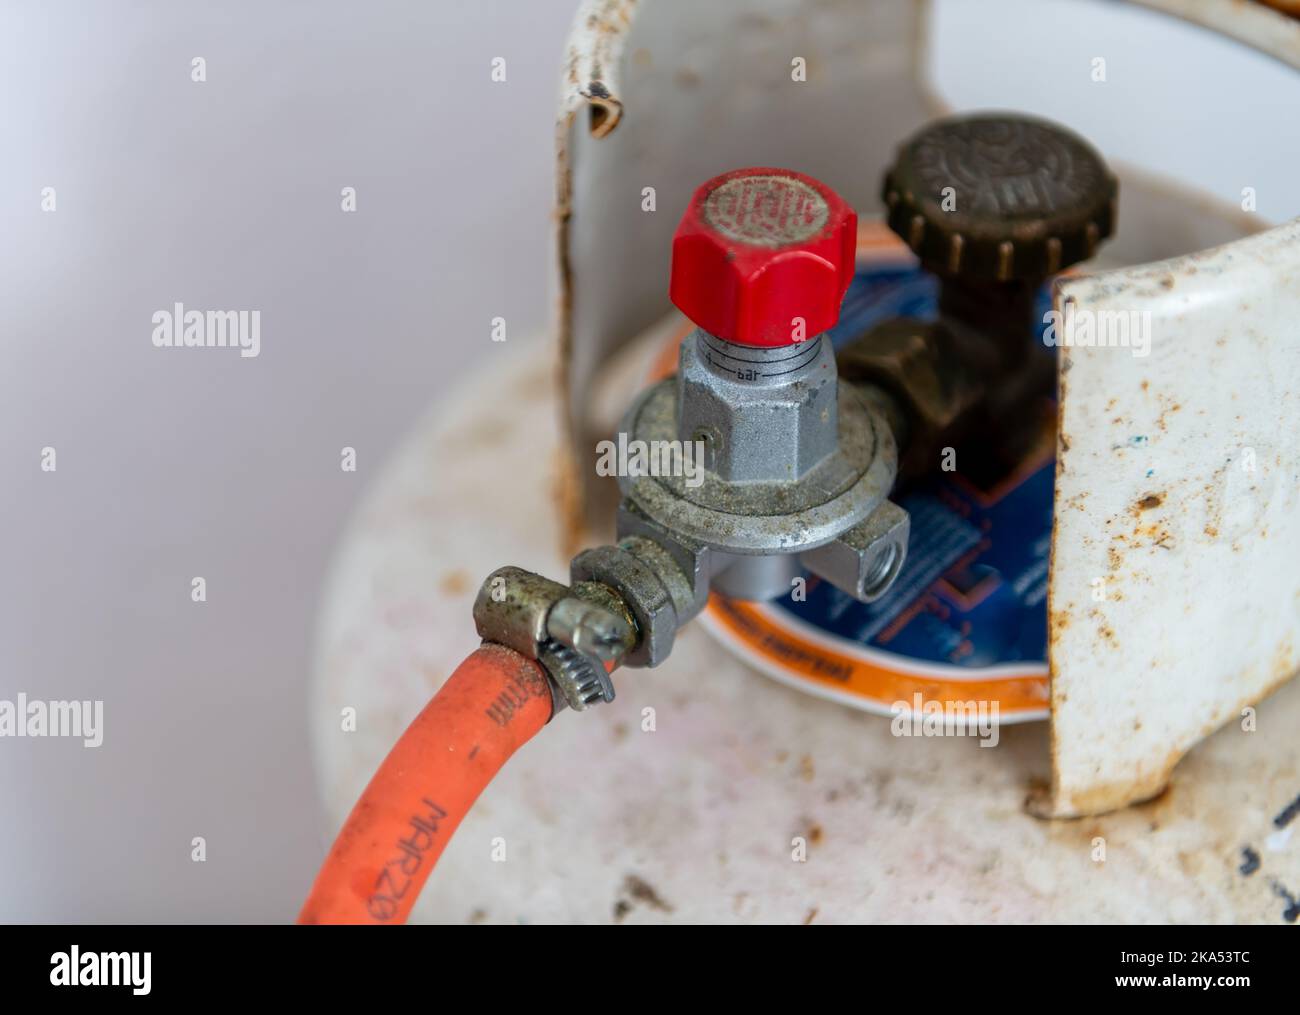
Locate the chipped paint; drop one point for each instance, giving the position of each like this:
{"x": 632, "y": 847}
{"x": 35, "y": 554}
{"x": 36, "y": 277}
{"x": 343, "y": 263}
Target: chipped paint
{"x": 1199, "y": 599}
{"x": 1158, "y": 554}
{"x": 590, "y": 81}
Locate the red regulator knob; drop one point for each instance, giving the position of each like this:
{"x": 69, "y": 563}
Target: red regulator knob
{"x": 763, "y": 257}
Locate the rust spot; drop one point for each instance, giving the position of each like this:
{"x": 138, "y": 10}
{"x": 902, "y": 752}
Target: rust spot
{"x": 1150, "y": 787}
{"x": 605, "y": 110}
{"x": 1038, "y": 798}
{"x": 1163, "y": 796}
{"x": 686, "y": 78}
{"x": 1151, "y": 500}
{"x": 486, "y": 433}
{"x": 639, "y": 890}
{"x": 815, "y": 834}
{"x": 455, "y": 583}
{"x": 1284, "y": 659}
{"x": 806, "y": 770}
{"x": 567, "y": 497}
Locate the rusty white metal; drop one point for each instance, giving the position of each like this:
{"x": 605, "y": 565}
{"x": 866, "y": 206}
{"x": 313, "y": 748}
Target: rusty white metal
{"x": 1175, "y": 586}
{"x": 1177, "y": 489}
{"x": 693, "y": 76}
{"x": 1266, "y": 30}
{"x": 690, "y": 813}
{"x": 696, "y": 815}
{"x": 591, "y": 66}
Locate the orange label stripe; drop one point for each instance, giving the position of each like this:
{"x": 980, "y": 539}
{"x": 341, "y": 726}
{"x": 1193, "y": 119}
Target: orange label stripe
{"x": 867, "y": 679}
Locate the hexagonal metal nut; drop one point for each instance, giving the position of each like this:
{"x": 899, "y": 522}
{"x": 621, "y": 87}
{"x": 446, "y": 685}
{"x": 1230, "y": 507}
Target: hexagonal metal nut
{"x": 692, "y": 558}
{"x": 758, "y": 425}
{"x": 646, "y": 596}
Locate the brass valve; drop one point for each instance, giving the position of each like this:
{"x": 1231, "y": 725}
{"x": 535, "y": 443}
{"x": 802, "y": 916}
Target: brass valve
{"x": 993, "y": 205}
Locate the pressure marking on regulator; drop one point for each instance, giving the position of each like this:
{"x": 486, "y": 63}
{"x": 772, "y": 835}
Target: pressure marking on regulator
{"x": 748, "y": 364}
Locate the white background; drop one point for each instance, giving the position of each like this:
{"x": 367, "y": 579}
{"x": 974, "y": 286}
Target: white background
{"x": 177, "y": 463}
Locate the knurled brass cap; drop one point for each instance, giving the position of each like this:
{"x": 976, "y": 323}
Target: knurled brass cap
{"x": 1000, "y": 197}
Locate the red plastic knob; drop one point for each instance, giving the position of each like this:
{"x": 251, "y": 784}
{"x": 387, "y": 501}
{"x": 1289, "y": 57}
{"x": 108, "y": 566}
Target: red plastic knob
{"x": 763, "y": 257}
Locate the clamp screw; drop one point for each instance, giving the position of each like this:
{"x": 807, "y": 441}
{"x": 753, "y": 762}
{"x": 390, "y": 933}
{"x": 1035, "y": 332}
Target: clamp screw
{"x": 589, "y": 629}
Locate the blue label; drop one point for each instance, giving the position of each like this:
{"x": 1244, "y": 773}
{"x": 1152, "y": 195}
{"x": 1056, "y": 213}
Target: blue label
{"x": 973, "y": 590}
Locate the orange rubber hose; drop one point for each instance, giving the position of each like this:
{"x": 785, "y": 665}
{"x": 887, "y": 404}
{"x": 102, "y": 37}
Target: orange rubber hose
{"x": 493, "y": 704}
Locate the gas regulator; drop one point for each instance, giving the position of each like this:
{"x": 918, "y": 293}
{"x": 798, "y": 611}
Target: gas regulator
{"x": 784, "y": 451}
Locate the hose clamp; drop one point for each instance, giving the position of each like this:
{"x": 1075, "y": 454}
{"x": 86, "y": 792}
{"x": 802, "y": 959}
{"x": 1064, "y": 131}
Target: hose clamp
{"x": 575, "y": 633}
